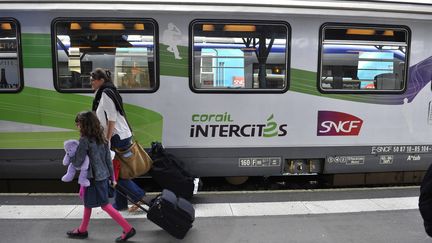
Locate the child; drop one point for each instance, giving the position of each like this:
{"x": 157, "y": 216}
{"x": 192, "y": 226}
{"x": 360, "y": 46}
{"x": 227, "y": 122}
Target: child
{"x": 93, "y": 145}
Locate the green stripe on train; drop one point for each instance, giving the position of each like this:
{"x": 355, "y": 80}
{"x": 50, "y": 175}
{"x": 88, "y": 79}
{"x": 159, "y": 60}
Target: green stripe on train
{"x": 53, "y": 109}
{"x": 36, "y": 50}
{"x": 37, "y": 54}
{"x": 306, "y": 82}
{"x": 170, "y": 66}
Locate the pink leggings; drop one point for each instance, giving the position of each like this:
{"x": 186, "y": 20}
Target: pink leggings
{"x": 111, "y": 211}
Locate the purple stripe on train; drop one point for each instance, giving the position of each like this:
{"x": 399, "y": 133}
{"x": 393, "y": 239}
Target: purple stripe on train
{"x": 419, "y": 76}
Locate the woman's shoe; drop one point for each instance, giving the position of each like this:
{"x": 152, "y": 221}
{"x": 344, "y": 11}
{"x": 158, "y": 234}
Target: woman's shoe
{"x": 76, "y": 234}
{"x": 134, "y": 207}
{"x": 125, "y": 236}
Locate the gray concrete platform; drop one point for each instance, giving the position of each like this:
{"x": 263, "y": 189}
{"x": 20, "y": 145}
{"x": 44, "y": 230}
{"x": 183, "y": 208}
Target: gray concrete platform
{"x": 392, "y": 226}
{"x": 387, "y": 215}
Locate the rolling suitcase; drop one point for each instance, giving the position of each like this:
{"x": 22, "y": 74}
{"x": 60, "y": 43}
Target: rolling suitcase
{"x": 173, "y": 214}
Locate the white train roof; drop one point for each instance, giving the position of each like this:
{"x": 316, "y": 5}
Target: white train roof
{"x": 313, "y": 7}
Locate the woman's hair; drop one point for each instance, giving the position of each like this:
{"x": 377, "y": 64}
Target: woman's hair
{"x": 100, "y": 73}
{"x": 90, "y": 126}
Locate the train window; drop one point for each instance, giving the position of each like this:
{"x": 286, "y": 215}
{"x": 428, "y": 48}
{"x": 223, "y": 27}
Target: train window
{"x": 127, "y": 48}
{"x": 245, "y": 56}
{"x": 10, "y": 53}
{"x": 363, "y": 58}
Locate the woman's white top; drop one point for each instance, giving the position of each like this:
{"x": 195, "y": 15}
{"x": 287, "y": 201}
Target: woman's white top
{"x": 107, "y": 106}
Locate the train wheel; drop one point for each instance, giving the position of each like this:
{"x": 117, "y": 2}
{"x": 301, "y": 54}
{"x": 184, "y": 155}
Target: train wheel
{"x": 236, "y": 180}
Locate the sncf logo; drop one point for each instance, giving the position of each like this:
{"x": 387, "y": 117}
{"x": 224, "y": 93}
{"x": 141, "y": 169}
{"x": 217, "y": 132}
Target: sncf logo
{"x": 332, "y": 123}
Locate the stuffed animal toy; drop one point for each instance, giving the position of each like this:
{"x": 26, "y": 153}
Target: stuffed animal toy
{"x": 70, "y": 147}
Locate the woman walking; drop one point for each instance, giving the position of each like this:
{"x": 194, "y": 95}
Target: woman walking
{"x": 108, "y": 106}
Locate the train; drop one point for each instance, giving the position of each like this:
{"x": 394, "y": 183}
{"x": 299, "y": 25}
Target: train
{"x": 232, "y": 88}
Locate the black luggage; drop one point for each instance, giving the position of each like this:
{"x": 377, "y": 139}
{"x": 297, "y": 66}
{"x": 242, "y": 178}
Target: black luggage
{"x": 173, "y": 214}
{"x": 168, "y": 171}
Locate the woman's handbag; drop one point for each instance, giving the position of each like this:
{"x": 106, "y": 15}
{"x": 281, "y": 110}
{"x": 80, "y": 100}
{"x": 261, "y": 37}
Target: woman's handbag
{"x": 134, "y": 161}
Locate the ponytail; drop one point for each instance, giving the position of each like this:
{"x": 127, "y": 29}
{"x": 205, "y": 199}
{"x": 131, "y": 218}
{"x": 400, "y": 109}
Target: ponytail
{"x": 108, "y": 75}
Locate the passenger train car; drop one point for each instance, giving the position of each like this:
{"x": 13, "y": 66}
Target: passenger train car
{"x": 233, "y": 88}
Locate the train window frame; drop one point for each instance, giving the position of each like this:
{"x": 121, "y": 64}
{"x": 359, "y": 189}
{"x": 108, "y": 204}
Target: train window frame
{"x": 18, "y": 56}
{"x": 105, "y": 20}
{"x": 407, "y": 45}
{"x": 232, "y": 90}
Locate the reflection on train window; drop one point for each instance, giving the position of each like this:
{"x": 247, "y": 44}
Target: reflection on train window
{"x": 125, "y": 47}
{"x": 239, "y": 55}
{"x": 10, "y": 79}
{"x": 363, "y": 58}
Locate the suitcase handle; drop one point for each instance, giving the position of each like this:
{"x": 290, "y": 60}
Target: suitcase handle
{"x": 118, "y": 189}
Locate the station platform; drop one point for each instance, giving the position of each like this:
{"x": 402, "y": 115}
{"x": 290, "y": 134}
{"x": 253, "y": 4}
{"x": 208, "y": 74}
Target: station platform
{"x": 333, "y": 215}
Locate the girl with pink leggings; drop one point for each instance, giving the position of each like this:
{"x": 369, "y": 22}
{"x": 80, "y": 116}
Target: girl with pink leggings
{"x": 100, "y": 174}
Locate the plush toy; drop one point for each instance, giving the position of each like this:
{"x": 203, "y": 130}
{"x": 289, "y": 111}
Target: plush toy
{"x": 70, "y": 147}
